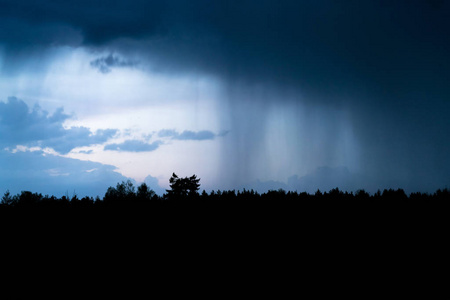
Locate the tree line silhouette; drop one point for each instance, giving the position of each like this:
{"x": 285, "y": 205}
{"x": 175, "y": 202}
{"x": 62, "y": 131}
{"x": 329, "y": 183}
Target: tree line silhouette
{"x": 184, "y": 192}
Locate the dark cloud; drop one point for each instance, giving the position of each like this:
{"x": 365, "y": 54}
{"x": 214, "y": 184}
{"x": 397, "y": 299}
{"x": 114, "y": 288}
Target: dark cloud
{"x": 106, "y": 63}
{"x": 98, "y": 21}
{"x": 17, "y": 33}
{"x": 189, "y": 135}
{"x": 78, "y": 137}
{"x": 133, "y": 146}
{"x": 323, "y": 47}
{"x": 21, "y": 126}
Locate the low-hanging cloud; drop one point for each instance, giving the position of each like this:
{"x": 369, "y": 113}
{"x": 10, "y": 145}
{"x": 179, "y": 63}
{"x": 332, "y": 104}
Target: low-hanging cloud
{"x": 36, "y": 127}
{"x": 105, "y": 64}
{"x": 133, "y": 146}
{"x": 199, "y": 136}
{"x": 190, "y": 135}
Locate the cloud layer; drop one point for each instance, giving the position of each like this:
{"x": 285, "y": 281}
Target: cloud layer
{"x": 144, "y": 146}
{"x": 36, "y": 127}
{"x": 133, "y": 146}
{"x": 188, "y": 135}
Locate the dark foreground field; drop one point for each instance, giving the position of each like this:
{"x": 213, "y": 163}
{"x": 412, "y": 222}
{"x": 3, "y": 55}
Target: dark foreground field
{"x": 228, "y": 242}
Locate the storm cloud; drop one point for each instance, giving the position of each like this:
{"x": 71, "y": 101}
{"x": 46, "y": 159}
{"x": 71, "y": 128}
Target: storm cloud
{"x": 324, "y": 46}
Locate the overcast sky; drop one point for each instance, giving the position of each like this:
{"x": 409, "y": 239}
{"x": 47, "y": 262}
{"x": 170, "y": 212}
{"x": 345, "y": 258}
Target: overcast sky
{"x": 258, "y": 94}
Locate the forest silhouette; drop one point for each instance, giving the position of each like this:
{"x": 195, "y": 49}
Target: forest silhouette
{"x": 184, "y": 193}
